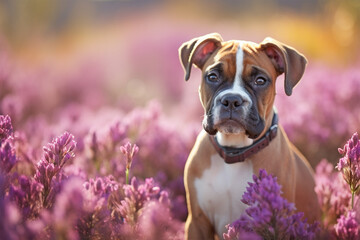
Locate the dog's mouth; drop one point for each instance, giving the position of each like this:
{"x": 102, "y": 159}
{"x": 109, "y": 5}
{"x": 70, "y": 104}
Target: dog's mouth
{"x": 252, "y": 126}
{"x": 230, "y": 126}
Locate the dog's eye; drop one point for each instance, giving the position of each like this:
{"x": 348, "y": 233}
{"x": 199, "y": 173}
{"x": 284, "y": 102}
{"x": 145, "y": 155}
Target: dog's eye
{"x": 212, "y": 77}
{"x": 260, "y": 81}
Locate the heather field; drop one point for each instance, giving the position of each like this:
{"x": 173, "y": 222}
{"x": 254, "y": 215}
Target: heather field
{"x": 96, "y": 120}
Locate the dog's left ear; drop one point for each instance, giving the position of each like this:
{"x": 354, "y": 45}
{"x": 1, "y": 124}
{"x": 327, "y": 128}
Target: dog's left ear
{"x": 197, "y": 51}
{"x": 286, "y": 60}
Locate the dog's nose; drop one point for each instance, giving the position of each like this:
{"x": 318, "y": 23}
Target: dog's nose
{"x": 231, "y": 101}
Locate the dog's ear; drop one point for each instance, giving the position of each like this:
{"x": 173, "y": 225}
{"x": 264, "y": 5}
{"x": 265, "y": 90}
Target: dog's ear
{"x": 197, "y": 51}
{"x": 286, "y": 60}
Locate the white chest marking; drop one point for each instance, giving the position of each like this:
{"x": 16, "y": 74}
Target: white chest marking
{"x": 220, "y": 189}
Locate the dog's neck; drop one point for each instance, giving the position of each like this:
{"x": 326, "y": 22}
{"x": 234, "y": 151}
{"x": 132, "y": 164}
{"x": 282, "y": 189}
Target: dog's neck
{"x": 234, "y": 140}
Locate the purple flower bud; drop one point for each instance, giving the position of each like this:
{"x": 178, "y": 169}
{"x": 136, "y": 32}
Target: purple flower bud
{"x": 72, "y": 147}
{"x": 129, "y": 152}
{"x": 46, "y": 156}
{"x": 355, "y": 138}
{"x": 60, "y": 150}
{"x": 134, "y": 183}
{"x": 164, "y": 198}
{"x": 341, "y": 151}
{"x": 7, "y": 157}
{"x": 349, "y": 164}
{"x": 6, "y": 129}
{"x": 99, "y": 185}
{"x": 347, "y": 227}
{"x": 65, "y": 139}
{"x": 50, "y": 171}
{"x": 24, "y": 183}
{"x": 118, "y": 131}
{"x": 231, "y": 233}
{"x": 86, "y": 185}
{"x": 351, "y": 144}
{"x": 123, "y": 149}
{"x": 67, "y": 156}
{"x": 56, "y": 148}
{"x": 56, "y": 159}
{"x": 108, "y": 188}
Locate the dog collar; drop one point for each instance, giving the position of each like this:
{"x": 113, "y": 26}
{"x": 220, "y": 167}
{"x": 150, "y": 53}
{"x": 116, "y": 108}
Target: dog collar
{"x": 234, "y": 155}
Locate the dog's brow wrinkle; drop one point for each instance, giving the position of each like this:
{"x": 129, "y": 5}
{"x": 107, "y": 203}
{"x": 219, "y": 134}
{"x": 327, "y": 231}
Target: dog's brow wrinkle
{"x": 229, "y": 48}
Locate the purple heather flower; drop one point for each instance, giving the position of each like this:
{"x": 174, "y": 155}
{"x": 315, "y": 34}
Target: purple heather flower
{"x": 7, "y": 150}
{"x": 101, "y": 186}
{"x": 349, "y": 164}
{"x": 357, "y": 209}
{"x": 94, "y": 144}
{"x": 49, "y": 170}
{"x": 351, "y": 156}
{"x": 27, "y": 196}
{"x": 129, "y": 151}
{"x": 234, "y": 234}
{"x": 60, "y": 150}
{"x": 118, "y": 131}
{"x": 2, "y": 186}
{"x": 270, "y": 215}
{"x": 333, "y": 195}
{"x": 347, "y": 227}
{"x": 95, "y": 221}
{"x": 156, "y": 223}
{"x": 231, "y": 234}
{"x": 136, "y": 195}
{"x": 7, "y": 156}
{"x": 68, "y": 209}
{"x": 6, "y": 129}
{"x": 50, "y": 177}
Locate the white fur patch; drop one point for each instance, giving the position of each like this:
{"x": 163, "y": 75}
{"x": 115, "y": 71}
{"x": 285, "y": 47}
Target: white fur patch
{"x": 234, "y": 140}
{"x": 220, "y": 189}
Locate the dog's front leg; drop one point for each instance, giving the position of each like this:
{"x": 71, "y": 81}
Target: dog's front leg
{"x": 198, "y": 228}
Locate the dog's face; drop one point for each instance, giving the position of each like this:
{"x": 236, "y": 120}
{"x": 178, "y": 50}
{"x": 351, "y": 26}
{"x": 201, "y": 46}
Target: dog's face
{"x": 237, "y": 89}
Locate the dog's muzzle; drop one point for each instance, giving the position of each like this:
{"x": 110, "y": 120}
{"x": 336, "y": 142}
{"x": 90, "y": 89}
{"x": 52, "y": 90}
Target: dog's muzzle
{"x": 233, "y": 114}
{"x": 230, "y": 113}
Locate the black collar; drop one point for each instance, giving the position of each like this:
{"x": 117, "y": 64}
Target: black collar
{"x": 234, "y": 155}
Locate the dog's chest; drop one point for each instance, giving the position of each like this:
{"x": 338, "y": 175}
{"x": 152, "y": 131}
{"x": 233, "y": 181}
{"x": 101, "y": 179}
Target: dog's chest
{"x": 220, "y": 189}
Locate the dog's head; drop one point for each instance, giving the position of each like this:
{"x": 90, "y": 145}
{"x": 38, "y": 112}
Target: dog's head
{"x": 237, "y": 89}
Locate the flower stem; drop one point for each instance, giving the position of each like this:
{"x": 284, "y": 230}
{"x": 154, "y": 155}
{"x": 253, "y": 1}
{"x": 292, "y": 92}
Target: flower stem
{"x": 352, "y": 199}
{"x": 127, "y": 175}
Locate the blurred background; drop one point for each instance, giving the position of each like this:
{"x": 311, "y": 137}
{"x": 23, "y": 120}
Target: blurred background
{"x": 60, "y": 58}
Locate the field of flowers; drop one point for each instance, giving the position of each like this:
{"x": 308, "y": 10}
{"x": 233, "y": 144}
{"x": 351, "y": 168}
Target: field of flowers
{"x": 93, "y": 140}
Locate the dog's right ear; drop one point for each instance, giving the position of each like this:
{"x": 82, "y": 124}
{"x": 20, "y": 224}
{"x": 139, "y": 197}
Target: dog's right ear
{"x": 197, "y": 51}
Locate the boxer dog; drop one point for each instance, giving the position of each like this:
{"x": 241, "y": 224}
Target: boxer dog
{"x": 241, "y": 133}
